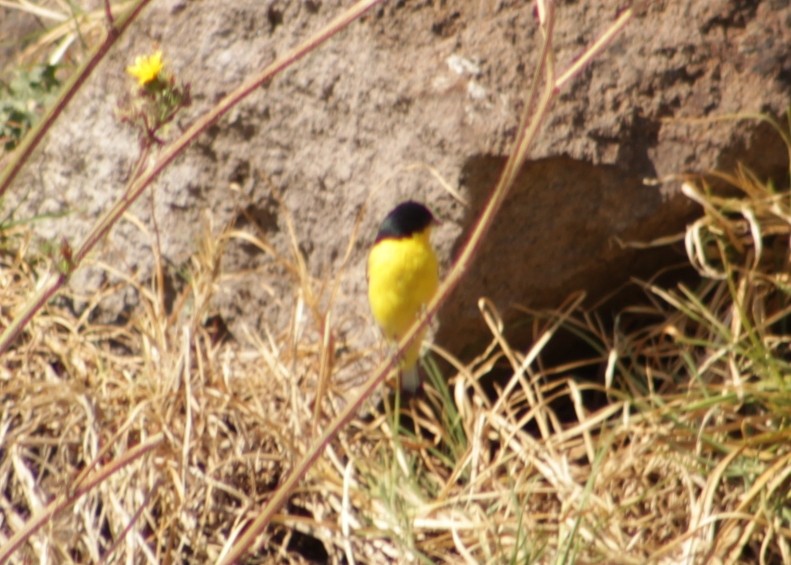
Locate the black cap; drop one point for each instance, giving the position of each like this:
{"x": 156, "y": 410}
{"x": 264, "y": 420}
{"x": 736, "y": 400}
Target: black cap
{"x": 405, "y": 220}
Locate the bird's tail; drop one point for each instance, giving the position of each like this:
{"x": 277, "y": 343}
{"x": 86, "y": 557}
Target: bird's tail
{"x": 410, "y": 379}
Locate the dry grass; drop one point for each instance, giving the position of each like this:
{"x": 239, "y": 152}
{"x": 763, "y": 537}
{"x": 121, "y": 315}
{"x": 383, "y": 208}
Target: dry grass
{"x": 686, "y": 461}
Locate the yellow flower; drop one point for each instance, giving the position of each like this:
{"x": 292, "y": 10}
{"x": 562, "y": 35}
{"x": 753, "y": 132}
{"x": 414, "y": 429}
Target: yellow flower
{"x": 146, "y": 69}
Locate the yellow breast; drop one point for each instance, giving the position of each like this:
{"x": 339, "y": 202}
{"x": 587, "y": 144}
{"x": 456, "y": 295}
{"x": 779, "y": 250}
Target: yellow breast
{"x": 403, "y": 276}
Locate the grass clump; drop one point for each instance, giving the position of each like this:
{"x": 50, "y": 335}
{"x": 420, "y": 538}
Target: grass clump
{"x": 22, "y": 99}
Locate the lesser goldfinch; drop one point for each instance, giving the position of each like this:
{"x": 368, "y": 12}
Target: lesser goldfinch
{"x": 403, "y": 276}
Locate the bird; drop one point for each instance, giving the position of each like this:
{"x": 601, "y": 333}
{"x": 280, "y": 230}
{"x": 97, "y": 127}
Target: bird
{"x": 403, "y": 275}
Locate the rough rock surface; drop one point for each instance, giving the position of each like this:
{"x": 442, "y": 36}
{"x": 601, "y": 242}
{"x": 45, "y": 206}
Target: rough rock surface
{"x": 414, "y": 92}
